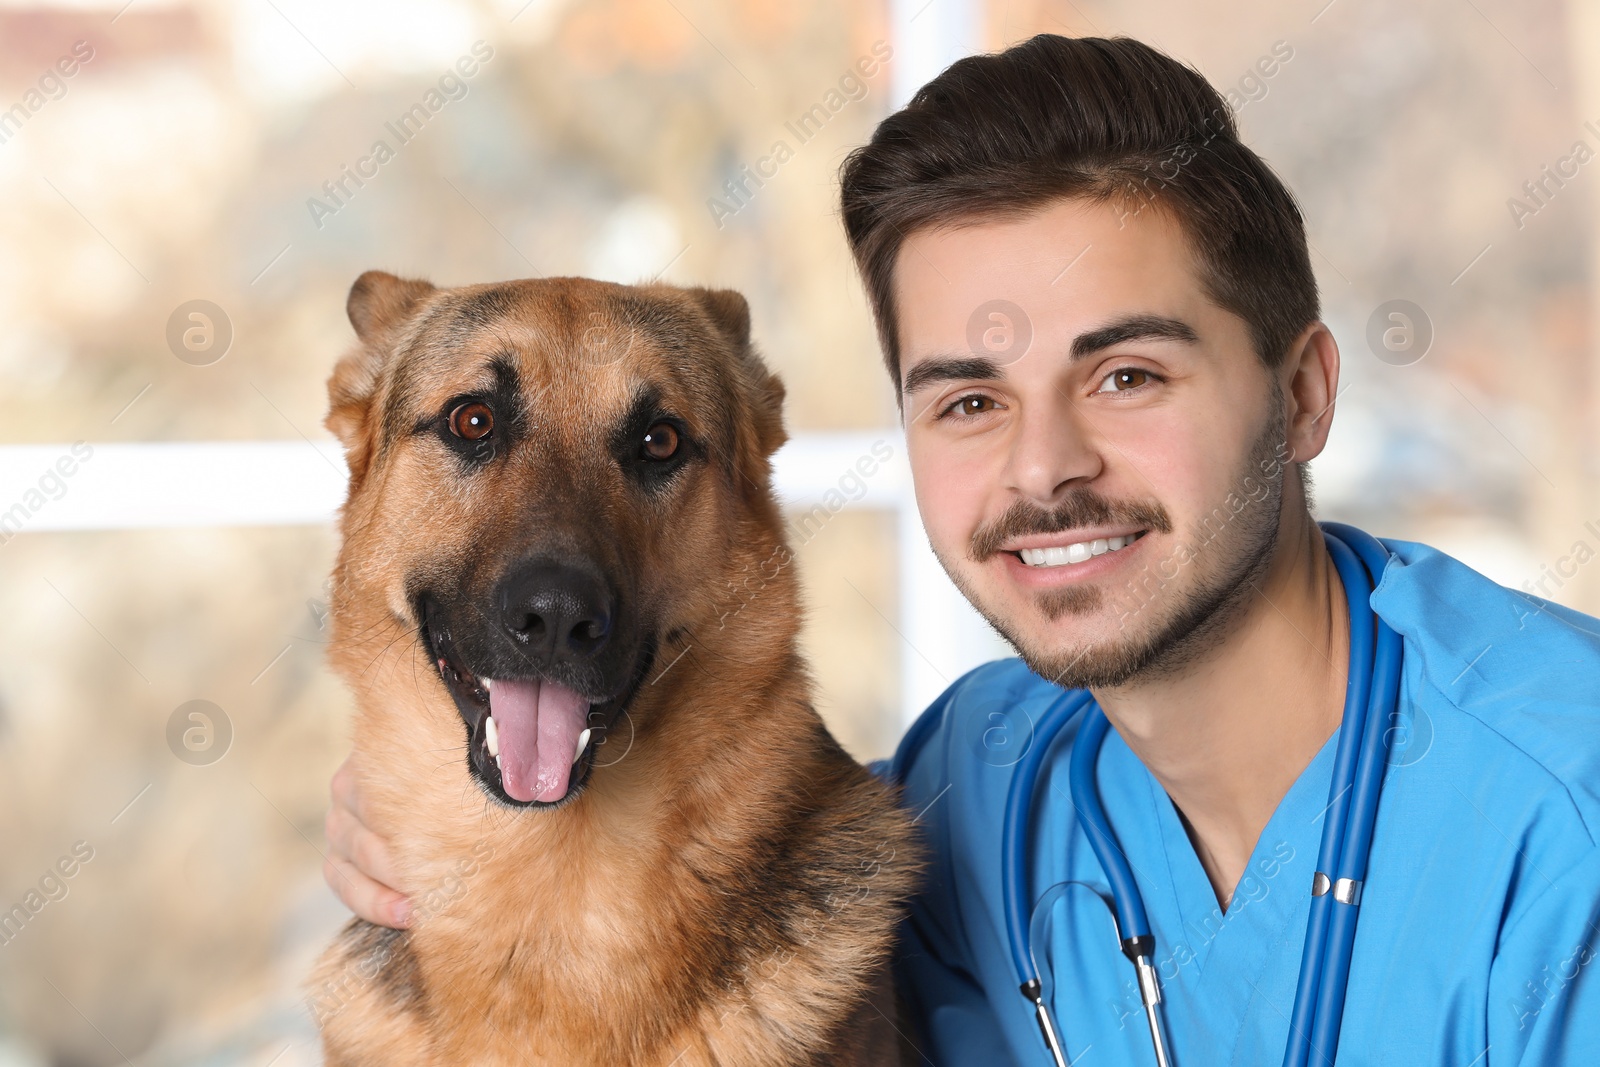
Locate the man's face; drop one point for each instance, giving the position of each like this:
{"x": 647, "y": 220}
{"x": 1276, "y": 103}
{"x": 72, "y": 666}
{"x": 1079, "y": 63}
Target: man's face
{"x": 1069, "y": 388}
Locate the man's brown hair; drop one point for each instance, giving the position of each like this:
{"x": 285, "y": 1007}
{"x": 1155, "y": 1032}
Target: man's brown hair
{"x": 1000, "y": 136}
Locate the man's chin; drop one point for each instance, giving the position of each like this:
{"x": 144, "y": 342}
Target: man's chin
{"x": 1073, "y": 636}
{"x": 1080, "y": 639}
{"x": 1091, "y": 635}
{"x": 1073, "y": 657}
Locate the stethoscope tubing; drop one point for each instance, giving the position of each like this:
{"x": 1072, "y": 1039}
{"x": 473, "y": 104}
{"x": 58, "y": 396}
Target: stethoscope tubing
{"x": 1132, "y": 922}
{"x": 1014, "y": 847}
{"x": 1356, "y": 849}
{"x": 1014, "y": 859}
{"x": 1357, "y": 712}
{"x": 1138, "y": 943}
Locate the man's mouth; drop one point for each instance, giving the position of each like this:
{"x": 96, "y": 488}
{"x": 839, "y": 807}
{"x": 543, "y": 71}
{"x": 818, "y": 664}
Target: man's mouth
{"x": 1068, "y": 554}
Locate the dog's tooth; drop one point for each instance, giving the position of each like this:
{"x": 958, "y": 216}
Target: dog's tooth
{"x": 491, "y": 738}
{"x": 583, "y": 743}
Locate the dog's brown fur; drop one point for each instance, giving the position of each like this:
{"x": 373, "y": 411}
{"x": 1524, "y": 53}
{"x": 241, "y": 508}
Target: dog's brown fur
{"x": 724, "y": 888}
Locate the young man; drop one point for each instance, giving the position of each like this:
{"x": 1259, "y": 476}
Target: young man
{"x": 1175, "y": 375}
{"x": 1099, "y": 311}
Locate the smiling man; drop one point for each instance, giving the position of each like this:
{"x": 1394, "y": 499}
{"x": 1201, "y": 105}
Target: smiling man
{"x": 1100, "y": 314}
{"x": 1098, "y": 310}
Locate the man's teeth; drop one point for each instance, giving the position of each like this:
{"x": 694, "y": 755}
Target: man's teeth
{"x": 1075, "y": 553}
{"x": 583, "y": 743}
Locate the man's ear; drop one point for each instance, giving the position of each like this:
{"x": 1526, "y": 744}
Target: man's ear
{"x": 730, "y": 313}
{"x": 378, "y": 305}
{"x": 1311, "y": 368}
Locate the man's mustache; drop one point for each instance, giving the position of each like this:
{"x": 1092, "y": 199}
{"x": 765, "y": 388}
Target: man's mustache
{"x": 1083, "y": 507}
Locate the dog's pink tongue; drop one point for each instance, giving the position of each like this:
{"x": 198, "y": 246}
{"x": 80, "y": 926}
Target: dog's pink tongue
{"x": 538, "y": 724}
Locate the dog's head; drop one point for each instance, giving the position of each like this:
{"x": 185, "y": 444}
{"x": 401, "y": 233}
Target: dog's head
{"x": 547, "y": 477}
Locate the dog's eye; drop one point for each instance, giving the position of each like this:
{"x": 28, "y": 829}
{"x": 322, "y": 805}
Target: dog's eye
{"x": 472, "y": 421}
{"x": 661, "y": 441}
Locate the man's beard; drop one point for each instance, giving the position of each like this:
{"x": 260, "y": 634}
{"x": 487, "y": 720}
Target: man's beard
{"x": 1183, "y": 624}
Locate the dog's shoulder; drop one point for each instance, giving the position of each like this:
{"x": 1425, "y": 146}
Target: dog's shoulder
{"x": 858, "y": 837}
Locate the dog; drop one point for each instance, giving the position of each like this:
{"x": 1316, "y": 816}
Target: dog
{"x": 566, "y": 607}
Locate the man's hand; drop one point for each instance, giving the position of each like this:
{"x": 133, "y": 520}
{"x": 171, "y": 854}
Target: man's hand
{"x": 358, "y": 865}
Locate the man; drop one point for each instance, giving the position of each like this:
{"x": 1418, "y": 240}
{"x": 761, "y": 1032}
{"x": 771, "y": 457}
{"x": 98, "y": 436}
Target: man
{"x": 1099, "y": 312}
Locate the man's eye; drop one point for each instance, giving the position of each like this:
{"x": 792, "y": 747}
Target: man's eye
{"x": 971, "y": 404}
{"x": 1124, "y": 379}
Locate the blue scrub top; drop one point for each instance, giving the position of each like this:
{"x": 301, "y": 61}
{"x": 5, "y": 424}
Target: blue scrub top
{"x": 1480, "y": 925}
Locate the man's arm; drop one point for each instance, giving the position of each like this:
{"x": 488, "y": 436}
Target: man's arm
{"x": 1544, "y": 987}
{"x": 949, "y": 1015}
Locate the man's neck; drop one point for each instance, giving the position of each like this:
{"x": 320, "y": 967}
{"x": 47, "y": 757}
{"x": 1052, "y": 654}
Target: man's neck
{"x": 1228, "y": 734}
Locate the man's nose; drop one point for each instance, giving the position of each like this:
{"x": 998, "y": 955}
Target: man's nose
{"x": 1054, "y": 447}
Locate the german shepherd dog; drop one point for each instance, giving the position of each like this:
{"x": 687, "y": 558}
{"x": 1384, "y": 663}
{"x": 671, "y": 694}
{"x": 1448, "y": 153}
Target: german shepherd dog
{"x": 566, "y": 606}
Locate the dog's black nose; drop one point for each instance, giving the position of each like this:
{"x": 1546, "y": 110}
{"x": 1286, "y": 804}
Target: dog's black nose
{"x": 563, "y": 612}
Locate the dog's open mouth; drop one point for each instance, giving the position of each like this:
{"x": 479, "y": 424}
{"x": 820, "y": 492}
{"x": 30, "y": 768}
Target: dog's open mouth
{"x": 534, "y": 736}
{"x": 531, "y": 741}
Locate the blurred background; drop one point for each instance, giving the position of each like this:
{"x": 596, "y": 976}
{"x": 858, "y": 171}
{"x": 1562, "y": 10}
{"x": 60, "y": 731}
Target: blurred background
{"x": 187, "y": 190}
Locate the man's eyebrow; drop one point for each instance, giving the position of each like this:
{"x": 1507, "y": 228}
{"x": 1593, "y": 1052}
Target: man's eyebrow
{"x": 1133, "y": 328}
{"x": 984, "y": 368}
{"x": 950, "y": 368}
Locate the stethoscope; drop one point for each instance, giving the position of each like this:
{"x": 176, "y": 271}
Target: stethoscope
{"x": 1358, "y": 771}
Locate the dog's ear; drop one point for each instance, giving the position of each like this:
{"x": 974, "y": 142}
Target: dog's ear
{"x": 730, "y": 312}
{"x": 378, "y": 303}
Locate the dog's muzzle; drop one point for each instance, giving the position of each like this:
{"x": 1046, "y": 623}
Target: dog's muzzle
{"x": 538, "y": 677}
